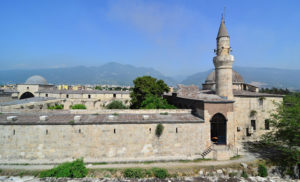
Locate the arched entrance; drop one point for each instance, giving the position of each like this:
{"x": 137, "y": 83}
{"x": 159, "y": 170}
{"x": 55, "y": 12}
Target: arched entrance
{"x": 218, "y": 129}
{"x": 26, "y": 95}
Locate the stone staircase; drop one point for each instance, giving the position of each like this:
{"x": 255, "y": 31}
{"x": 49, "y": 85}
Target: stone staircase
{"x": 206, "y": 151}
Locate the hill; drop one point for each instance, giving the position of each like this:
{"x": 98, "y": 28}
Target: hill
{"x": 262, "y": 77}
{"x": 110, "y": 73}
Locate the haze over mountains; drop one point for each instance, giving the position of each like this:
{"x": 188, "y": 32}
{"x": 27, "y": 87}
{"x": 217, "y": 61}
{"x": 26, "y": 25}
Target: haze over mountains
{"x": 120, "y": 74}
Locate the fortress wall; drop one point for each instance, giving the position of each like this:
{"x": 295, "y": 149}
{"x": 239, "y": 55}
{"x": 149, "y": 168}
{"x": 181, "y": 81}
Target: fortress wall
{"x": 100, "y": 142}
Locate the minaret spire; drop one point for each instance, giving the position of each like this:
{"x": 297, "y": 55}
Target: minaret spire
{"x": 223, "y": 63}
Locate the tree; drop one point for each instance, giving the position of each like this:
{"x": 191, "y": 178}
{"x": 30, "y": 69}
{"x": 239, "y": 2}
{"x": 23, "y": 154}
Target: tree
{"x": 146, "y": 86}
{"x": 116, "y": 105}
{"x": 285, "y": 135}
{"x": 155, "y": 102}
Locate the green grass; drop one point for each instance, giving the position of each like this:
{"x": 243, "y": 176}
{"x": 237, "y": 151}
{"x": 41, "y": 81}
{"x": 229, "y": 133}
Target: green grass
{"x": 235, "y": 157}
{"x": 78, "y": 106}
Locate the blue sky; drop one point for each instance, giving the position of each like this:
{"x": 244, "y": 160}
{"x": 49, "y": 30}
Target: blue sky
{"x": 176, "y": 37}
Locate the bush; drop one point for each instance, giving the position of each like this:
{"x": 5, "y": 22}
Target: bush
{"x": 134, "y": 173}
{"x": 116, "y": 105}
{"x": 160, "y": 173}
{"x": 244, "y": 174}
{"x": 155, "y": 102}
{"x": 262, "y": 170}
{"x": 78, "y": 106}
{"x": 159, "y": 130}
{"x": 60, "y": 106}
{"x": 75, "y": 169}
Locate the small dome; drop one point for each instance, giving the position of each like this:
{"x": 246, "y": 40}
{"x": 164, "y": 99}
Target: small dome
{"x": 36, "y": 80}
{"x": 236, "y": 77}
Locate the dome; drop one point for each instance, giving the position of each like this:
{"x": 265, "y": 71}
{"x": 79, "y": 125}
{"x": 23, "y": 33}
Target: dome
{"x": 236, "y": 77}
{"x": 36, "y": 80}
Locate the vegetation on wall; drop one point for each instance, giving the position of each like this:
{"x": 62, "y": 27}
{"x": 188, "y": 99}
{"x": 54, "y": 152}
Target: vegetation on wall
{"x": 56, "y": 107}
{"x": 147, "y": 93}
{"x": 75, "y": 169}
{"x": 78, "y": 106}
{"x": 116, "y": 104}
{"x": 253, "y": 113}
{"x": 285, "y": 134}
{"x": 159, "y": 130}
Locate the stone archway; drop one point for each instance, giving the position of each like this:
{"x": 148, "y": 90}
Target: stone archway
{"x": 218, "y": 129}
{"x": 26, "y": 95}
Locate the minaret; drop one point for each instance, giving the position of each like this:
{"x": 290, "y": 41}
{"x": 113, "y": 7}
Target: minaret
{"x": 223, "y": 64}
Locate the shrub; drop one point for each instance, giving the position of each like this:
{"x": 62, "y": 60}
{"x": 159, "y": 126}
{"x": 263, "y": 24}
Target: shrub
{"x": 244, "y": 174}
{"x": 232, "y": 174}
{"x": 262, "y": 170}
{"x": 160, "y": 173}
{"x": 134, "y": 173}
{"x": 78, "y": 106}
{"x": 75, "y": 169}
{"x": 159, "y": 130}
{"x": 60, "y": 106}
{"x": 116, "y": 105}
{"x": 253, "y": 113}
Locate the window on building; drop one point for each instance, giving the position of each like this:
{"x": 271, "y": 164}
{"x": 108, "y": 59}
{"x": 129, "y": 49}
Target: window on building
{"x": 89, "y": 96}
{"x": 46, "y": 95}
{"x": 267, "y": 124}
{"x": 27, "y": 88}
{"x": 176, "y": 130}
{"x": 67, "y": 95}
{"x": 46, "y": 132}
{"x": 253, "y": 124}
{"x": 114, "y": 95}
{"x": 261, "y": 101}
{"x": 14, "y": 132}
{"x": 149, "y": 130}
{"x": 114, "y": 131}
{"x": 79, "y": 131}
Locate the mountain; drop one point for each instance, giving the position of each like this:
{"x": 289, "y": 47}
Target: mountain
{"x": 110, "y": 73}
{"x": 262, "y": 77}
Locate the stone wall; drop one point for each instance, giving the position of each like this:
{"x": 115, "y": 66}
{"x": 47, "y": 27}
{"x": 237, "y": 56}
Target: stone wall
{"x": 263, "y": 107}
{"x": 100, "y": 142}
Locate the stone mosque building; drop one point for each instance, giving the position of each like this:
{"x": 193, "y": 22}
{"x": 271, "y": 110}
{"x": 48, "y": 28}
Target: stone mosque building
{"x": 211, "y": 123}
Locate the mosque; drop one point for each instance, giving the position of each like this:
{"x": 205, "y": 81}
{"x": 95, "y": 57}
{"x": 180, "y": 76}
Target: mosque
{"x": 214, "y": 122}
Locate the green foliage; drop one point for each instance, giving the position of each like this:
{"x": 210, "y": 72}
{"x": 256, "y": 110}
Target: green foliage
{"x": 134, "y": 173}
{"x": 71, "y": 122}
{"x": 262, "y": 170}
{"x": 159, "y": 130}
{"x": 116, "y": 105}
{"x": 75, "y": 169}
{"x": 78, "y": 106}
{"x": 275, "y": 91}
{"x": 232, "y": 174}
{"x": 244, "y": 174}
{"x": 253, "y": 113}
{"x": 60, "y": 106}
{"x": 285, "y": 135}
{"x": 160, "y": 173}
{"x": 144, "y": 86}
{"x": 155, "y": 102}
{"x": 98, "y": 88}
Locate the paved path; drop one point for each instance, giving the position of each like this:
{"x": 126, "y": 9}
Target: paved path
{"x": 245, "y": 158}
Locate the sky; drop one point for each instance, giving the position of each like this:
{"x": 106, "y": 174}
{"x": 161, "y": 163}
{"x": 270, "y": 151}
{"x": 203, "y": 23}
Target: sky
{"x": 176, "y": 37}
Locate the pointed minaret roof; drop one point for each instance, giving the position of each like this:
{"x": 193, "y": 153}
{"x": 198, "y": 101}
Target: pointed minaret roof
{"x": 222, "y": 30}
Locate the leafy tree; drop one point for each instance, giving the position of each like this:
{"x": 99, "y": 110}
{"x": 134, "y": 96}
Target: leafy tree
{"x": 286, "y": 132}
{"x": 116, "y": 104}
{"x": 145, "y": 86}
{"x": 98, "y": 88}
{"x": 78, "y": 106}
{"x": 155, "y": 102}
